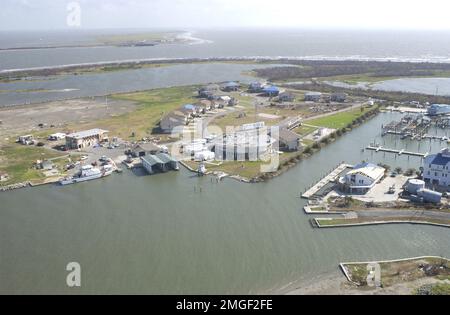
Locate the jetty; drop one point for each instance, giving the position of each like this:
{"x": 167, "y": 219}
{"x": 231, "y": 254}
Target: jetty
{"x": 331, "y": 177}
{"x": 395, "y": 151}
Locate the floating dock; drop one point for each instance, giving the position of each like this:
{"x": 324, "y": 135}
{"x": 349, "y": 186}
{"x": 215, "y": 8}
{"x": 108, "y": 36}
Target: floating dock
{"x": 399, "y": 152}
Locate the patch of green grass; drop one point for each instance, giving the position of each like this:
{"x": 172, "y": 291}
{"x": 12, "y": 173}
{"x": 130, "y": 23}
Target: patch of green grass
{"x": 440, "y": 289}
{"x": 152, "y": 106}
{"x": 17, "y": 160}
{"x": 305, "y": 130}
{"x": 339, "y": 120}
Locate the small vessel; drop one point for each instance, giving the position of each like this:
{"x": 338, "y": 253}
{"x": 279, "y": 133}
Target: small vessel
{"x": 87, "y": 173}
{"x": 201, "y": 169}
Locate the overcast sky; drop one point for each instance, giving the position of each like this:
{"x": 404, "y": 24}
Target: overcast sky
{"x": 379, "y": 14}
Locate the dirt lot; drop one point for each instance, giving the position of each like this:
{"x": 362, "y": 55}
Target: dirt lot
{"x": 25, "y": 119}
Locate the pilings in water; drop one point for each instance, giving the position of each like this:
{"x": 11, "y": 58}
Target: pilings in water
{"x": 399, "y": 152}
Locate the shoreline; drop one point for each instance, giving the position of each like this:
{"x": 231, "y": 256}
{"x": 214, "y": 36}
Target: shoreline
{"x": 257, "y": 58}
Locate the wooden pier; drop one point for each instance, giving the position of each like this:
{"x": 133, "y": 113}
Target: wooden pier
{"x": 394, "y": 151}
{"x": 324, "y": 181}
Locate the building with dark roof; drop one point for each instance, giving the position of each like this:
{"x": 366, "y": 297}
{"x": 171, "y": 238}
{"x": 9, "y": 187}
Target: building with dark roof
{"x": 436, "y": 168}
{"x": 313, "y": 96}
{"x": 208, "y": 91}
{"x": 338, "y": 97}
{"x": 159, "y": 162}
{"x": 256, "y": 87}
{"x": 231, "y": 86}
{"x": 140, "y": 150}
{"x": 286, "y": 97}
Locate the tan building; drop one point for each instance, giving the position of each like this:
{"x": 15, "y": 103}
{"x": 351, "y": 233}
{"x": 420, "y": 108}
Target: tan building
{"x": 84, "y": 139}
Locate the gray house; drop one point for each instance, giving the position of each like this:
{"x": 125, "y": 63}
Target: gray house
{"x": 286, "y": 97}
{"x": 313, "y": 96}
{"x": 338, "y": 97}
{"x": 173, "y": 120}
{"x": 289, "y": 140}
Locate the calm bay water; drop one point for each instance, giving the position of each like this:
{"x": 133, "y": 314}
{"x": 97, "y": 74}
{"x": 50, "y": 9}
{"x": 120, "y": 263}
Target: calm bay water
{"x": 84, "y": 85}
{"x": 156, "y": 234}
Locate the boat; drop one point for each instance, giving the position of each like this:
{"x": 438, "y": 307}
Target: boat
{"x": 87, "y": 173}
{"x": 202, "y": 169}
{"x": 438, "y": 109}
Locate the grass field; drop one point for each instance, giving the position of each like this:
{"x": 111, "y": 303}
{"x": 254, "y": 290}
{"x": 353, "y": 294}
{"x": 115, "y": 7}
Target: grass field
{"x": 340, "y": 120}
{"x": 400, "y": 271}
{"x": 17, "y": 160}
{"x": 245, "y": 169}
{"x": 354, "y": 79}
{"x": 305, "y": 130}
{"x": 152, "y": 106}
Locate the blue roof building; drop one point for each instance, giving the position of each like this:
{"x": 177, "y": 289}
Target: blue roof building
{"x": 271, "y": 90}
{"x": 438, "y": 109}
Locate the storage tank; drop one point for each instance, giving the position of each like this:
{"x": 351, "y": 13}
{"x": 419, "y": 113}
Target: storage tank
{"x": 430, "y": 195}
{"x": 414, "y": 185}
{"x": 416, "y": 199}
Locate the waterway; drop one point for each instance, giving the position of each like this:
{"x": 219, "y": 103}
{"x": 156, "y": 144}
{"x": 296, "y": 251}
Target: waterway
{"x": 429, "y": 86}
{"x": 161, "y": 235}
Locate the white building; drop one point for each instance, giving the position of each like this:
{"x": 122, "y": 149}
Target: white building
{"x": 436, "y": 168}
{"x": 57, "y": 136}
{"x": 362, "y": 178}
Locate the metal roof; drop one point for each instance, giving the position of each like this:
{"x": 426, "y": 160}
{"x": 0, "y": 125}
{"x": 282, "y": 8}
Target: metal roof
{"x": 440, "y": 160}
{"x": 368, "y": 169}
{"x": 232, "y": 84}
{"x": 189, "y": 107}
{"x": 287, "y": 135}
{"x": 87, "y": 133}
{"x": 272, "y": 88}
{"x": 165, "y": 158}
{"x": 160, "y": 158}
{"x": 152, "y": 160}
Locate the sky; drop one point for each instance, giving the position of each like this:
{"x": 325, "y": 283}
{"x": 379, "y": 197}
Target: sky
{"x": 200, "y": 14}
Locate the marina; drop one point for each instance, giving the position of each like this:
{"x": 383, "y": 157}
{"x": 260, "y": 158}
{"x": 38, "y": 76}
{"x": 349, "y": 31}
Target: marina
{"x": 157, "y": 230}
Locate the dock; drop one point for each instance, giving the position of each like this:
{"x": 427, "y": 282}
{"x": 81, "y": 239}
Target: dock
{"x": 394, "y": 151}
{"x": 331, "y": 177}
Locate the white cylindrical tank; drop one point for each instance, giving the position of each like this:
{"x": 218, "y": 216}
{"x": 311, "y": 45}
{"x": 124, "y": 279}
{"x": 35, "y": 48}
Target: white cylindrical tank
{"x": 430, "y": 195}
{"x": 414, "y": 185}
